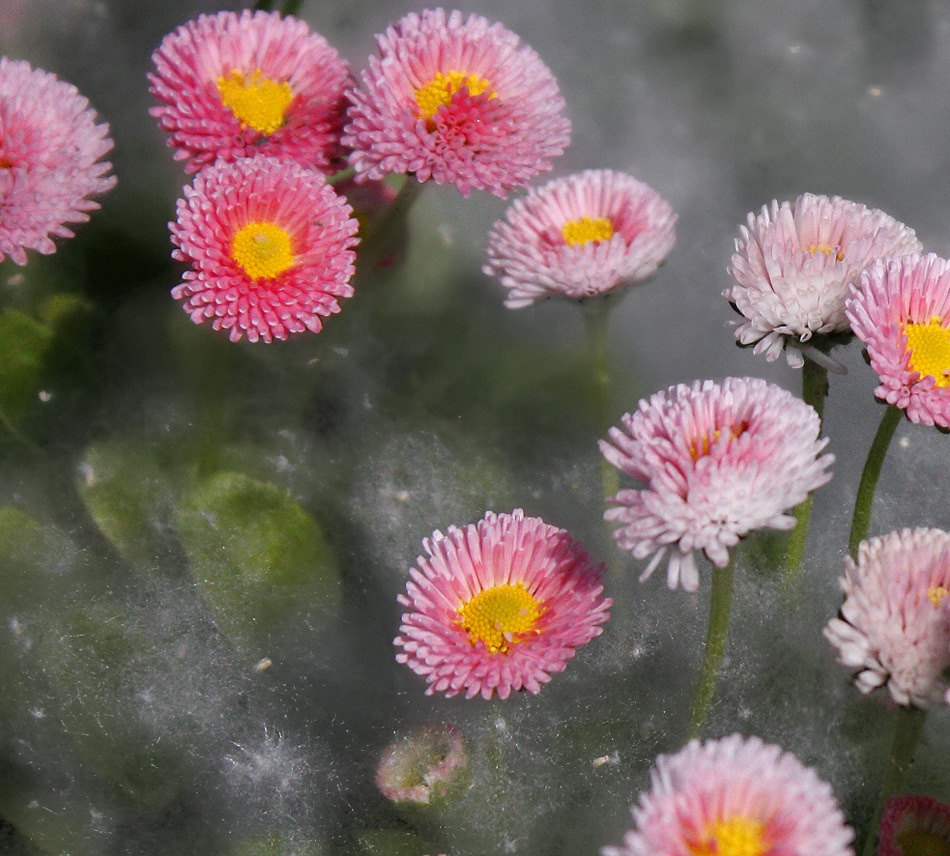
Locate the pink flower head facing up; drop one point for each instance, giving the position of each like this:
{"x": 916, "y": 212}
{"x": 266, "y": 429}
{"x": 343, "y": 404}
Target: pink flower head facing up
{"x": 794, "y": 263}
{"x": 235, "y": 85}
{"x": 581, "y": 236}
{"x": 499, "y": 605}
{"x": 457, "y": 100}
{"x": 422, "y": 766}
{"x": 269, "y": 244}
{"x": 717, "y": 461}
{"x": 735, "y": 797}
{"x": 50, "y": 146}
{"x": 894, "y": 625}
{"x": 914, "y": 826}
{"x": 901, "y": 312}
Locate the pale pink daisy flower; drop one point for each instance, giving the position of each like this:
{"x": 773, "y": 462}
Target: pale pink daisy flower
{"x": 236, "y": 85}
{"x": 735, "y": 797}
{"x": 717, "y": 461}
{"x": 50, "y": 150}
{"x": 794, "y": 263}
{"x": 901, "y": 312}
{"x": 457, "y": 100}
{"x": 894, "y": 625}
{"x": 422, "y": 766}
{"x": 498, "y": 606}
{"x": 270, "y": 247}
{"x": 580, "y": 236}
{"x": 914, "y": 825}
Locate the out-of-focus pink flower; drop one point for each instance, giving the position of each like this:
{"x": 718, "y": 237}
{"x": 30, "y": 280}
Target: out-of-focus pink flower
{"x": 735, "y": 797}
{"x": 50, "y": 150}
{"x": 914, "y": 825}
{"x": 456, "y": 100}
{"x": 270, "y": 248}
{"x": 901, "y": 311}
{"x": 717, "y": 461}
{"x": 498, "y": 606}
{"x": 894, "y": 625}
{"x": 423, "y": 765}
{"x": 580, "y": 236}
{"x": 794, "y": 263}
{"x": 236, "y": 85}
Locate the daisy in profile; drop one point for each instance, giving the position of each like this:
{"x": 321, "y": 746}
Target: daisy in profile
{"x": 894, "y": 625}
{"x": 458, "y": 100}
{"x": 735, "y": 797}
{"x": 499, "y": 605}
{"x": 794, "y": 264}
{"x": 914, "y": 826}
{"x": 901, "y": 311}
{"x": 270, "y": 248}
{"x": 50, "y": 150}
{"x": 235, "y": 85}
{"x": 580, "y": 236}
{"x": 716, "y": 462}
{"x": 422, "y": 766}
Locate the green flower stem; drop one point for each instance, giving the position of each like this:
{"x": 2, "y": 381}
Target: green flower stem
{"x": 212, "y": 389}
{"x": 380, "y": 242}
{"x": 596, "y": 320}
{"x": 869, "y": 476}
{"x": 814, "y": 392}
{"x": 720, "y": 606}
{"x": 908, "y": 728}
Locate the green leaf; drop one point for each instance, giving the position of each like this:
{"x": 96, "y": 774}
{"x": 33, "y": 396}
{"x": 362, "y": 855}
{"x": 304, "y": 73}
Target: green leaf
{"x": 258, "y": 559}
{"x": 23, "y": 345}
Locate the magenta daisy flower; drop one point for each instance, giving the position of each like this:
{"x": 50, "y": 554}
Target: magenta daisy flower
{"x": 457, "y": 100}
{"x": 894, "y": 625}
{"x": 901, "y": 312}
{"x": 717, "y": 461}
{"x": 233, "y": 86}
{"x": 914, "y": 826}
{"x": 735, "y": 797}
{"x": 50, "y": 150}
{"x": 423, "y": 765}
{"x": 794, "y": 263}
{"x": 499, "y": 605}
{"x": 269, "y": 243}
{"x": 580, "y": 236}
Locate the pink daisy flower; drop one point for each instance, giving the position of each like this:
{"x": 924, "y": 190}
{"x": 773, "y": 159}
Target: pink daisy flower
{"x": 269, "y": 243}
{"x": 580, "y": 236}
{"x": 233, "y": 86}
{"x": 50, "y": 146}
{"x": 901, "y": 312}
{"x": 457, "y": 100}
{"x": 423, "y": 765}
{"x": 735, "y": 797}
{"x": 914, "y": 826}
{"x": 894, "y": 625}
{"x": 717, "y": 461}
{"x": 794, "y": 263}
{"x": 500, "y": 605}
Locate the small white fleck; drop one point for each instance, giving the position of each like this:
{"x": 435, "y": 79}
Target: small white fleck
{"x": 874, "y": 91}
{"x": 88, "y": 474}
{"x": 904, "y": 442}
{"x": 266, "y": 663}
{"x": 45, "y": 396}
{"x": 38, "y": 713}
{"x": 794, "y": 49}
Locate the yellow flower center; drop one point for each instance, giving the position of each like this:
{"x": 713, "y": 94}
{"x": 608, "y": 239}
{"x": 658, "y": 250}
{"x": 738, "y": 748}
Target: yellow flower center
{"x": 438, "y": 92}
{"x": 500, "y": 616}
{"x": 263, "y": 250}
{"x": 256, "y": 100}
{"x": 916, "y": 842}
{"x": 733, "y": 836}
{"x": 587, "y": 229}
{"x": 936, "y": 594}
{"x": 827, "y": 249}
{"x": 703, "y": 445}
{"x": 930, "y": 347}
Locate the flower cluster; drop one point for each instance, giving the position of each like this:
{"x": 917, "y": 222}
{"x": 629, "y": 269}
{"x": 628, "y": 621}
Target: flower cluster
{"x": 581, "y": 236}
{"x": 50, "y": 159}
{"x": 499, "y": 606}
{"x": 716, "y": 462}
